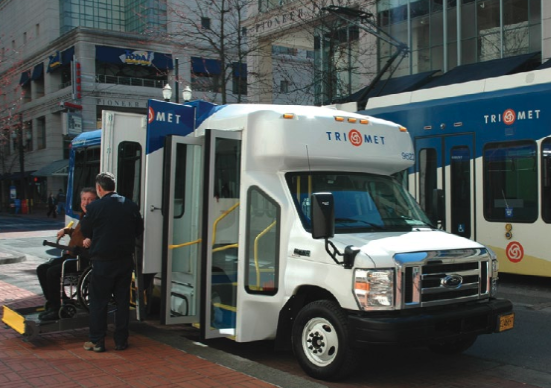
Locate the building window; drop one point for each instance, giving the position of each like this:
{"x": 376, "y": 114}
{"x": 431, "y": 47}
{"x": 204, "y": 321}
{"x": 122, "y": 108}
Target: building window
{"x": 28, "y": 135}
{"x": 284, "y": 50}
{"x": 206, "y": 74}
{"x": 205, "y": 23}
{"x": 284, "y": 86}
{"x": 490, "y": 29}
{"x": 40, "y": 133}
{"x": 239, "y": 84}
{"x": 510, "y": 181}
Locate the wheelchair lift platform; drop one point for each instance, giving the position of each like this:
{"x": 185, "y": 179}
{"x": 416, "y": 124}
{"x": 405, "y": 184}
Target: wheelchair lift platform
{"x": 25, "y": 321}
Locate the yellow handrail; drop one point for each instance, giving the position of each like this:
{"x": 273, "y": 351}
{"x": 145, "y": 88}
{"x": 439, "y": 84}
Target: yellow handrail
{"x": 225, "y": 247}
{"x": 220, "y": 219}
{"x": 214, "y": 230}
{"x": 256, "y": 251}
{"x": 184, "y": 244}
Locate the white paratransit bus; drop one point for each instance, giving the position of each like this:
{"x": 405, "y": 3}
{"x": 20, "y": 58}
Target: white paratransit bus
{"x": 285, "y": 222}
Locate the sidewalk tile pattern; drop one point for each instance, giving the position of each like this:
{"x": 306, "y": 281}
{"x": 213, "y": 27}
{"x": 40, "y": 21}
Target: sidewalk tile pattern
{"x": 59, "y": 359}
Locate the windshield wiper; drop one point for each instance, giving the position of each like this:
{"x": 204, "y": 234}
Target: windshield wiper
{"x": 375, "y": 226}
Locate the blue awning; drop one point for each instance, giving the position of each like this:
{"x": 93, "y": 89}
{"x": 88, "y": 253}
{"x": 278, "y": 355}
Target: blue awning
{"x": 60, "y": 58}
{"x": 38, "y": 72}
{"x": 239, "y": 69}
{"x": 482, "y": 70}
{"x": 25, "y": 78}
{"x": 57, "y": 168}
{"x": 134, "y": 57}
{"x": 205, "y": 66}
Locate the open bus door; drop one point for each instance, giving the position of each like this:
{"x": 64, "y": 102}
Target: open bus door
{"x": 201, "y": 231}
{"x": 447, "y": 163}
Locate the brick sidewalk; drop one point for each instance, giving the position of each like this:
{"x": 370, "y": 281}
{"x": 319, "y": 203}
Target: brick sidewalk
{"x": 58, "y": 359}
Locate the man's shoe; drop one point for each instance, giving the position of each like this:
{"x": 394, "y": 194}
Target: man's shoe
{"x": 122, "y": 346}
{"x": 97, "y": 347}
{"x": 49, "y": 315}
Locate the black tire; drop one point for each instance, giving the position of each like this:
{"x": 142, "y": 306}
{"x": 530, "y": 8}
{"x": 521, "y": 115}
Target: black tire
{"x": 83, "y": 288}
{"x": 452, "y": 347}
{"x": 321, "y": 341}
{"x": 67, "y": 311}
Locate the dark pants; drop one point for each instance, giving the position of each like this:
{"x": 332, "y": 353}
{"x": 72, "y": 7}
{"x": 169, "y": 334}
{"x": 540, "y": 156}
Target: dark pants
{"x": 49, "y": 277}
{"x": 52, "y": 210}
{"x": 110, "y": 278}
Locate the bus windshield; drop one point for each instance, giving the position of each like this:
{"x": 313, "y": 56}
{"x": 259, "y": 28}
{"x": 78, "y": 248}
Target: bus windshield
{"x": 363, "y": 202}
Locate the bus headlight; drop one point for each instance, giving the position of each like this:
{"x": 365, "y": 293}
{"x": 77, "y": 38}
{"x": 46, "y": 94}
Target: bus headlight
{"x": 374, "y": 288}
{"x": 494, "y": 268}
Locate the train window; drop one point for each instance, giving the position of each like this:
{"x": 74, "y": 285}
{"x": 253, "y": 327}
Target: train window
{"x": 460, "y": 193}
{"x": 510, "y": 181}
{"x": 263, "y": 225}
{"x": 546, "y": 180}
{"x": 129, "y": 169}
{"x": 427, "y": 180}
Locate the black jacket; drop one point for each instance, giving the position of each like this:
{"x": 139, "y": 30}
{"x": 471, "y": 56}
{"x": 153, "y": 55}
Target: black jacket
{"x": 113, "y": 223}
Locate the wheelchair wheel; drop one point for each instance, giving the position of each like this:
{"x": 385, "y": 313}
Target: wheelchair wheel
{"x": 67, "y": 311}
{"x": 70, "y": 287}
{"x": 83, "y": 288}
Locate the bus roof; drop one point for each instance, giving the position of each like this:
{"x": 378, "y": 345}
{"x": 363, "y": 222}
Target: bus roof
{"x": 86, "y": 139}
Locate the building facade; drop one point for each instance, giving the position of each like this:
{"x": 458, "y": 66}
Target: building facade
{"x": 355, "y": 41}
{"x": 63, "y": 62}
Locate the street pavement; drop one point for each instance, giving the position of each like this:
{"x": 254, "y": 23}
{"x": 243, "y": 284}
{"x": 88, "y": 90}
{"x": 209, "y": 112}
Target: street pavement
{"x": 158, "y": 356}
{"x": 166, "y": 356}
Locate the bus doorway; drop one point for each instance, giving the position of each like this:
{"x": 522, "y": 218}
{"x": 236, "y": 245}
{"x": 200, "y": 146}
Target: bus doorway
{"x": 446, "y": 163}
{"x": 200, "y": 233}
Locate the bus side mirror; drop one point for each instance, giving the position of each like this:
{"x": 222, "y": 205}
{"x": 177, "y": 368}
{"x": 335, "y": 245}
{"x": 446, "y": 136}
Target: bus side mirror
{"x": 322, "y": 215}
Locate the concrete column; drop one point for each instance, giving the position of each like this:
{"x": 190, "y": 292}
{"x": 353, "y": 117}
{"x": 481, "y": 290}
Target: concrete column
{"x": 260, "y": 77}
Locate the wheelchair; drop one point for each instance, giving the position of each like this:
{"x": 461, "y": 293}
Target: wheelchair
{"x": 74, "y": 284}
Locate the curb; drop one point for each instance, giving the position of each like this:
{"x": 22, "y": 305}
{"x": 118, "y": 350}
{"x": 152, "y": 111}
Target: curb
{"x": 7, "y": 258}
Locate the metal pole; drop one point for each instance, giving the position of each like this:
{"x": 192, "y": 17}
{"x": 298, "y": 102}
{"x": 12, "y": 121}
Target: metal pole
{"x": 176, "y": 81}
{"x": 22, "y": 160}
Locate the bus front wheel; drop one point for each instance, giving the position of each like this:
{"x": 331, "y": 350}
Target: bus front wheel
{"x": 320, "y": 341}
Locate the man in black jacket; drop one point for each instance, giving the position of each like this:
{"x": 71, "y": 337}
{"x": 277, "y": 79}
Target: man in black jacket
{"x": 110, "y": 227}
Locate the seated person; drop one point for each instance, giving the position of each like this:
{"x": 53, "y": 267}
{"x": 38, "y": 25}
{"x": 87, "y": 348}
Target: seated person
{"x": 49, "y": 273}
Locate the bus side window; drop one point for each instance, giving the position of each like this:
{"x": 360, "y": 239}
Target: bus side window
{"x": 546, "y": 180}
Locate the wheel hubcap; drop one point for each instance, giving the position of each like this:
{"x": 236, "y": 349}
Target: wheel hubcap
{"x": 320, "y": 341}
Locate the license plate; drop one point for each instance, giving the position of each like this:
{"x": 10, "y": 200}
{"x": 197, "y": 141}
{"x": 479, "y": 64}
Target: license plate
{"x": 506, "y": 322}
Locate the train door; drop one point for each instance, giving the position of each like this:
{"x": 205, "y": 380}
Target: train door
{"x": 447, "y": 163}
{"x": 200, "y": 234}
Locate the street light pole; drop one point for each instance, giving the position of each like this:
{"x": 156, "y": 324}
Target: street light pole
{"x": 22, "y": 159}
{"x": 176, "y": 81}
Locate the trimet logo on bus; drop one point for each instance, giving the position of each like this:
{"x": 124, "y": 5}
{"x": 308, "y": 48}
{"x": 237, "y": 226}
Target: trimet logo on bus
{"x": 162, "y": 116}
{"x": 509, "y": 116}
{"x": 355, "y": 138}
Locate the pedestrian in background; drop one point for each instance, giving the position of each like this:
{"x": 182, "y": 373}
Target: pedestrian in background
{"x": 52, "y": 206}
{"x": 60, "y": 199}
{"x": 110, "y": 227}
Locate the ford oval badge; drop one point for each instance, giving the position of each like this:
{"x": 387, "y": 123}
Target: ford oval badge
{"x": 452, "y": 281}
